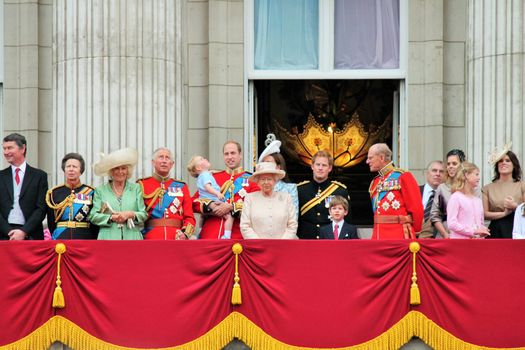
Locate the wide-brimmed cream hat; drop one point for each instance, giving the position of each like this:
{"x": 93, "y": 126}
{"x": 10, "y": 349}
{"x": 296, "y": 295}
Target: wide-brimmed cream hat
{"x": 273, "y": 147}
{"x": 498, "y": 153}
{"x": 124, "y": 156}
{"x": 267, "y": 168}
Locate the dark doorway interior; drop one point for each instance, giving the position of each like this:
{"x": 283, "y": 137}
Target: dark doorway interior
{"x": 342, "y": 116}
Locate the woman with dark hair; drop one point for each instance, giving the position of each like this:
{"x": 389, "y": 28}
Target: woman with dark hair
{"x": 438, "y": 213}
{"x": 272, "y": 154}
{"x": 69, "y": 204}
{"x": 504, "y": 194}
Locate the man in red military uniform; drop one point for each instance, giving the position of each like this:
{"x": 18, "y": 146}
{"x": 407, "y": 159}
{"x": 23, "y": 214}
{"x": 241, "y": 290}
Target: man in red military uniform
{"x": 234, "y": 186}
{"x": 168, "y": 201}
{"x": 395, "y": 195}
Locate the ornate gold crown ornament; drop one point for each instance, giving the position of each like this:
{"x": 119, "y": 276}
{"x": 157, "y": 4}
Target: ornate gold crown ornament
{"x": 348, "y": 146}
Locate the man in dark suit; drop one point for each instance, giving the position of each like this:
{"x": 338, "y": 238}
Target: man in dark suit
{"x": 315, "y": 196}
{"x": 338, "y": 229}
{"x": 23, "y": 188}
{"x": 434, "y": 177}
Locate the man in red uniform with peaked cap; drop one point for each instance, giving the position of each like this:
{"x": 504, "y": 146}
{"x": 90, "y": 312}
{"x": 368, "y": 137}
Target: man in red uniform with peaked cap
{"x": 168, "y": 201}
{"x": 234, "y": 186}
{"x": 395, "y": 195}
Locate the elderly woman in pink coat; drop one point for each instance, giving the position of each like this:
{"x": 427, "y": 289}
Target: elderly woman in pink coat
{"x": 268, "y": 214}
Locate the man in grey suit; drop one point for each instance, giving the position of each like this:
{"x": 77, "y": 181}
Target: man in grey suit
{"x": 434, "y": 176}
{"x": 22, "y": 193}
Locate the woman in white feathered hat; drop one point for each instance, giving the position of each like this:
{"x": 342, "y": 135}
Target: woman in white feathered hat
{"x": 272, "y": 153}
{"x": 267, "y": 213}
{"x": 118, "y": 205}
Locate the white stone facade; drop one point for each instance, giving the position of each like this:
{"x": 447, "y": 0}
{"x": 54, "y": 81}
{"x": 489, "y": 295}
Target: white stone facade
{"x": 93, "y": 76}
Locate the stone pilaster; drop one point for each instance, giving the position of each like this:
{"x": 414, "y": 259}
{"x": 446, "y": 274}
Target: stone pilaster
{"x": 27, "y": 79}
{"x": 215, "y": 82}
{"x": 436, "y": 80}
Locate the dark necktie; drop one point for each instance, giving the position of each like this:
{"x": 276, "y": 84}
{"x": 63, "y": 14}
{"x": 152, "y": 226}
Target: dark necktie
{"x": 17, "y": 176}
{"x": 336, "y": 231}
{"x": 426, "y": 214}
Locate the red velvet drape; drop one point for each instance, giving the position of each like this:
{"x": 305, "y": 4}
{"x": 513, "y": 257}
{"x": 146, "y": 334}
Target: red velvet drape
{"x": 306, "y": 293}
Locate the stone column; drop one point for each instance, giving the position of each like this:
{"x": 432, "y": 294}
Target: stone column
{"x": 495, "y": 79}
{"x": 116, "y": 79}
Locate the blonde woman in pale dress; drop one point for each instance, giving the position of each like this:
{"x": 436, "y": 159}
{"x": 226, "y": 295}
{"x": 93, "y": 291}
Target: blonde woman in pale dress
{"x": 268, "y": 214}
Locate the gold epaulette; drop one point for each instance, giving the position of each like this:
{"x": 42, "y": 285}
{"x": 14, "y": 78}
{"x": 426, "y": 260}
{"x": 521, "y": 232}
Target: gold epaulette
{"x": 303, "y": 183}
{"x": 400, "y": 170}
{"x": 144, "y": 178}
{"x": 54, "y": 188}
{"x": 339, "y": 184}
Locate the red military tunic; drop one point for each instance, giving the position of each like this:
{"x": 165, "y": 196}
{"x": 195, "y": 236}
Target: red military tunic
{"x": 234, "y": 185}
{"x": 397, "y": 205}
{"x": 169, "y": 206}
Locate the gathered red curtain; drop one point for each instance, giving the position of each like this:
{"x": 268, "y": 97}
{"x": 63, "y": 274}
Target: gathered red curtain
{"x": 315, "y": 294}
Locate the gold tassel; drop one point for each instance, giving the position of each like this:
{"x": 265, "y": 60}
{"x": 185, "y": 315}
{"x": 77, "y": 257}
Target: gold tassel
{"x": 58, "y": 295}
{"x": 236, "y": 292}
{"x": 415, "y": 297}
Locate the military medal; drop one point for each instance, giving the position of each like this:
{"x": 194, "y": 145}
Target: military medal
{"x": 173, "y": 209}
{"x": 390, "y": 196}
{"x": 171, "y": 191}
{"x": 385, "y": 206}
{"x": 396, "y": 205}
{"x": 178, "y": 192}
{"x": 242, "y": 193}
{"x": 175, "y": 203}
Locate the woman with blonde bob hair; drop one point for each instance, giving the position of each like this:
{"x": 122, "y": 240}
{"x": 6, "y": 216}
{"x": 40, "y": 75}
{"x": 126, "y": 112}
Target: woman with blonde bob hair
{"x": 464, "y": 208}
{"x": 267, "y": 213}
{"x": 118, "y": 205}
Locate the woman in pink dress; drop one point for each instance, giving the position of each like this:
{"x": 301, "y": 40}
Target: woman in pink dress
{"x": 464, "y": 208}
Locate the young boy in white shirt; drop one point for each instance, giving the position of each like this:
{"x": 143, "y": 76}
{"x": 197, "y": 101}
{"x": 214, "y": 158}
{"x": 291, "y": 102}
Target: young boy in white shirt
{"x": 338, "y": 229}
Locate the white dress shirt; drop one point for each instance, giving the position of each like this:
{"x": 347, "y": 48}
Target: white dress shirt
{"x": 427, "y": 190}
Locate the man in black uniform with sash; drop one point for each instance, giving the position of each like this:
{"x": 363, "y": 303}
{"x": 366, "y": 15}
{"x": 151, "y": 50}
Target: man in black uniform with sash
{"x": 315, "y": 196}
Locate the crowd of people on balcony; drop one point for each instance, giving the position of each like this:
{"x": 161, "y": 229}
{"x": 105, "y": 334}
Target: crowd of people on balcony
{"x": 235, "y": 204}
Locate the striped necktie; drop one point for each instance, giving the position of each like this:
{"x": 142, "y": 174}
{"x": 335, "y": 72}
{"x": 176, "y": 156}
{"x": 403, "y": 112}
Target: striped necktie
{"x": 426, "y": 214}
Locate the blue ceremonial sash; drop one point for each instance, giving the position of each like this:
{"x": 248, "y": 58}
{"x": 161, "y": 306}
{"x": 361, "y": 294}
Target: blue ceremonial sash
{"x": 169, "y": 196}
{"x": 65, "y": 215}
{"x": 383, "y": 187}
{"x": 237, "y": 185}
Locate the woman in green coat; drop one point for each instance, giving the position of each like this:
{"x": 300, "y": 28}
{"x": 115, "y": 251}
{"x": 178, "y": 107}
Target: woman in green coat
{"x": 118, "y": 205}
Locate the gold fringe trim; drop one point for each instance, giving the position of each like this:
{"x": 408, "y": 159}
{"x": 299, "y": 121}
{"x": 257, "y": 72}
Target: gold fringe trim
{"x": 415, "y": 297}
{"x": 58, "y": 295}
{"x": 236, "y": 325}
{"x": 236, "y": 292}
